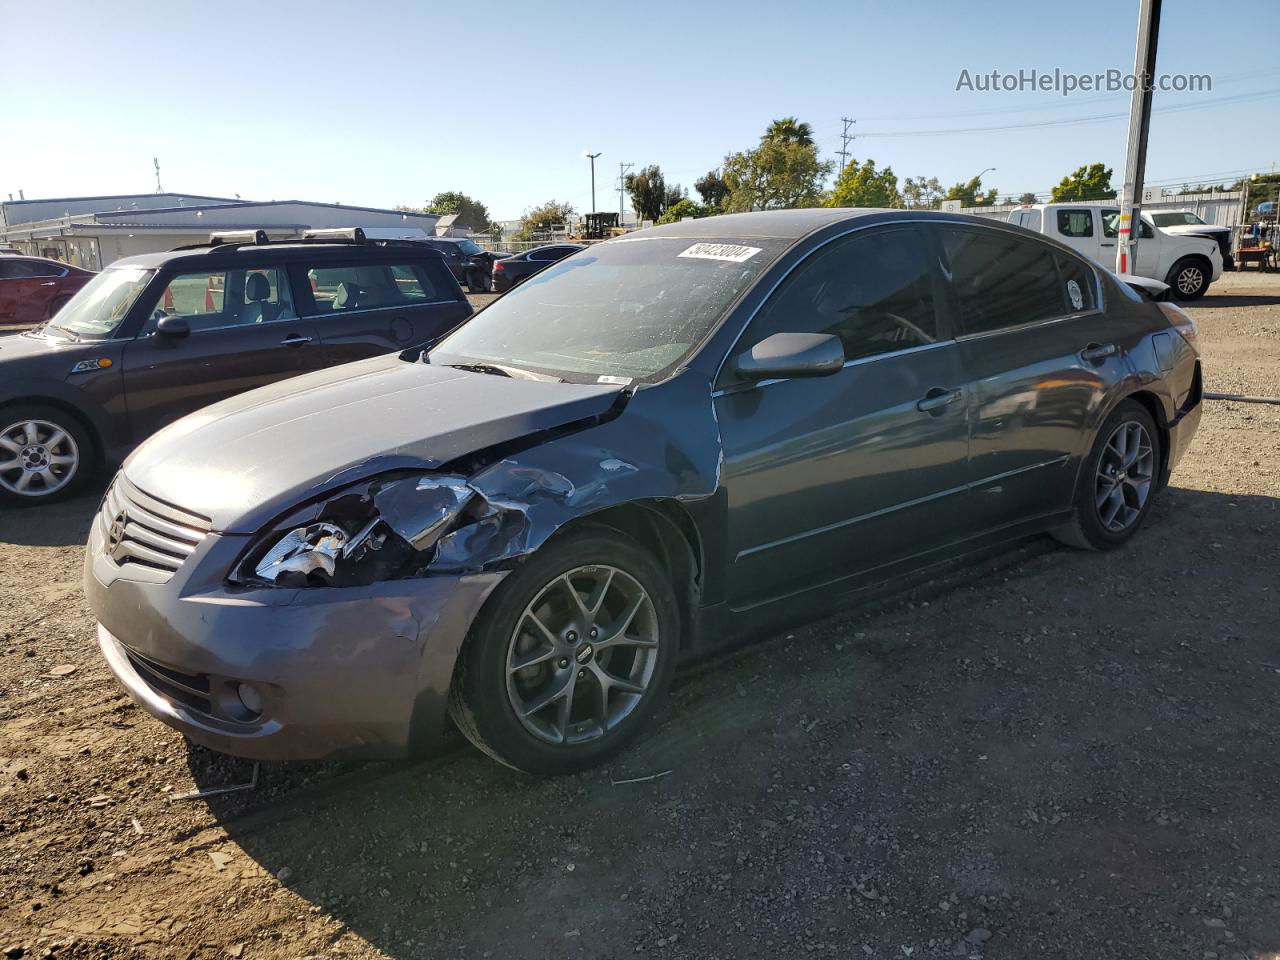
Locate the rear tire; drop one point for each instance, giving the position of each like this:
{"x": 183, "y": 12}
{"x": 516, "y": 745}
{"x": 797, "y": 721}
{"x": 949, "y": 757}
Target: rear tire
{"x": 1189, "y": 278}
{"x": 533, "y": 618}
{"x": 46, "y": 454}
{"x": 1118, "y": 481}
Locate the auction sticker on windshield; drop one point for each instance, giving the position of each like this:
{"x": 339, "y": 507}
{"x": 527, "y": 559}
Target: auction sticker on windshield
{"x": 733, "y": 252}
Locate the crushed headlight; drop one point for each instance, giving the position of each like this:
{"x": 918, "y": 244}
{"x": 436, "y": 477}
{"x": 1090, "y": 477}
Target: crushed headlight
{"x": 383, "y": 529}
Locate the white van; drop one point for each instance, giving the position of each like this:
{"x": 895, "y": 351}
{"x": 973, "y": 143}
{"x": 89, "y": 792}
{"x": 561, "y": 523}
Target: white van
{"x": 1187, "y": 263}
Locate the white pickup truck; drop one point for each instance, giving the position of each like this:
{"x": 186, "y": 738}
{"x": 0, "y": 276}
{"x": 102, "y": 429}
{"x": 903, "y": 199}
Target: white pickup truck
{"x": 1188, "y": 264}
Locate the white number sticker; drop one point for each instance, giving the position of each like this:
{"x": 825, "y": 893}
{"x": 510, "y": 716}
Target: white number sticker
{"x": 733, "y": 252}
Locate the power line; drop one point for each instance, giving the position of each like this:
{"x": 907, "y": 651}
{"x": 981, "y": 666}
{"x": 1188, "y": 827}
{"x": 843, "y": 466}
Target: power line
{"x": 1073, "y": 121}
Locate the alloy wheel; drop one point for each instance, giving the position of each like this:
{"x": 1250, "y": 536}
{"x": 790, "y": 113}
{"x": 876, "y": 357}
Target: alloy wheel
{"x": 37, "y": 458}
{"x": 1126, "y": 471}
{"x": 582, "y": 655}
{"x": 1190, "y": 280}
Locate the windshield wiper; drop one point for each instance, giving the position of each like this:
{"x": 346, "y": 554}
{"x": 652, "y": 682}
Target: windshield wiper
{"x": 498, "y": 370}
{"x": 489, "y": 368}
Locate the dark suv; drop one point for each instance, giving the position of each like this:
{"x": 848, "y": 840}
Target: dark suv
{"x": 155, "y": 337}
{"x": 469, "y": 262}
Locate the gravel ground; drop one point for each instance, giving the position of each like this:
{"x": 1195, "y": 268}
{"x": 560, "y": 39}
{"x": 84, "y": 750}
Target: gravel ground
{"x": 1050, "y": 754}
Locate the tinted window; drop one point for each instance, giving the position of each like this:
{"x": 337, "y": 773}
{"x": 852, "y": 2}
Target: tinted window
{"x": 1075, "y": 223}
{"x": 1001, "y": 280}
{"x": 1031, "y": 220}
{"x": 369, "y": 286}
{"x": 874, "y": 291}
{"x": 20, "y": 269}
{"x": 548, "y": 253}
{"x": 1078, "y": 285}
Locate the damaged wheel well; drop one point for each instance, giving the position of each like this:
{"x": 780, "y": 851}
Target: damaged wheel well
{"x": 664, "y": 529}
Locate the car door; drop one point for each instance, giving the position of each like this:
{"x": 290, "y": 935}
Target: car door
{"x": 27, "y": 288}
{"x": 1077, "y": 228}
{"x": 832, "y": 476}
{"x": 361, "y": 308}
{"x": 244, "y": 333}
{"x": 1147, "y": 256}
{"x": 1039, "y": 361}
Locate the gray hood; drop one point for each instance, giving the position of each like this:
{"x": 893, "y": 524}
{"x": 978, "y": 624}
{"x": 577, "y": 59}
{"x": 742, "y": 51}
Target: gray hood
{"x": 244, "y": 460}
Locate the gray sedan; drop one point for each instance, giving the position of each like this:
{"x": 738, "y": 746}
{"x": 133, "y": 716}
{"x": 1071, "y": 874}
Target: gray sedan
{"x": 653, "y": 448}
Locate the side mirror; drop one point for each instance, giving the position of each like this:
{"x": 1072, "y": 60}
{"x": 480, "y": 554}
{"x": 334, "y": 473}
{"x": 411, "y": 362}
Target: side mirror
{"x": 791, "y": 355}
{"x": 174, "y": 327}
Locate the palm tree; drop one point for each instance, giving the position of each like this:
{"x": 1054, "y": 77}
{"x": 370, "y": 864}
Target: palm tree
{"x": 790, "y": 130}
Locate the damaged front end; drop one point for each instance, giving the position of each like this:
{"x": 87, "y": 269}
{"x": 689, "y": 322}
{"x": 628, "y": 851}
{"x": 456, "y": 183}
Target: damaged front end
{"x": 410, "y": 525}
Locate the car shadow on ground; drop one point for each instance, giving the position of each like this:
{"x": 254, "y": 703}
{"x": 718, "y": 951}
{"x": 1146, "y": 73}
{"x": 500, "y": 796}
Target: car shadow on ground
{"x": 1235, "y": 300}
{"x": 64, "y": 524}
{"x": 1066, "y": 753}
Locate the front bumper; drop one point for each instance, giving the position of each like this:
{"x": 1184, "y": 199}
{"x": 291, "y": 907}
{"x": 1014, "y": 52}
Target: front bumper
{"x": 352, "y": 672}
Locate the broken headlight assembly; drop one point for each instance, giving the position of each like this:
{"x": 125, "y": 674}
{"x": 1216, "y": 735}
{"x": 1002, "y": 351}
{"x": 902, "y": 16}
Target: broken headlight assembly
{"x": 383, "y": 529}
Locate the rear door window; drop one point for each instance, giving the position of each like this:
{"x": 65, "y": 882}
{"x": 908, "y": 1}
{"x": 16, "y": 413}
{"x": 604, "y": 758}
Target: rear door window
{"x": 371, "y": 286}
{"x": 1075, "y": 223}
{"x": 1001, "y": 280}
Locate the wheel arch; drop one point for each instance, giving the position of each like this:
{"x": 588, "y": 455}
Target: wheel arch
{"x": 667, "y": 531}
{"x": 1153, "y": 404}
{"x": 71, "y": 410}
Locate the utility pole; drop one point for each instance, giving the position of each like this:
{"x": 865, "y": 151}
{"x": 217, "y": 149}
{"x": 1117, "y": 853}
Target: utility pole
{"x": 1135, "y": 164}
{"x": 622, "y": 186}
{"x": 845, "y": 137}
{"x": 592, "y": 158}
{"x": 156, "y": 161}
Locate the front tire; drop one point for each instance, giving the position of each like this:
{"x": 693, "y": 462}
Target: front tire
{"x": 1117, "y": 482}
{"x": 45, "y": 454}
{"x": 1189, "y": 278}
{"x": 570, "y": 657}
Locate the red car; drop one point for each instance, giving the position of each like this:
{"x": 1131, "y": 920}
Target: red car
{"x": 33, "y": 289}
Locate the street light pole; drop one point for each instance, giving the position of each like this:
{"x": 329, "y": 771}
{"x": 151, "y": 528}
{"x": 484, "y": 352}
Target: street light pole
{"x": 592, "y": 158}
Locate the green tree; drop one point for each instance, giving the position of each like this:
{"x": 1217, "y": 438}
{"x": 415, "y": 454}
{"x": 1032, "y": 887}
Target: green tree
{"x": 790, "y": 130}
{"x": 862, "y": 185}
{"x": 684, "y": 208}
{"x": 920, "y": 193}
{"x": 969, "y": 191}
{"x": 1085, "y": 183}
{"x": 537, "y": 222}
{"x": 650, "y": 195}
{"x": 782, "y": 172}
{"x": 471, "y": 213}
{"x": 1027, "y": 198}
{"x": 712, "y": 188}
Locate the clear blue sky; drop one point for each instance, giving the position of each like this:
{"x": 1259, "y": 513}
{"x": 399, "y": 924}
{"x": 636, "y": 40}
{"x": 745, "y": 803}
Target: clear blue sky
{"x": 387, "y": 102}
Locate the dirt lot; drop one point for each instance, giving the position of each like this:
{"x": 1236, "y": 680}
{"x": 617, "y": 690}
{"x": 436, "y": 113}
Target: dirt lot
{"x": 1055, "y": 754}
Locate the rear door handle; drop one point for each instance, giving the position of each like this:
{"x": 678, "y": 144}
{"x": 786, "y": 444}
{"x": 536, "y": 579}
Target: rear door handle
{"x": 49, "y": 283}
{"x": 1097, "y": 352}
{"x": 294, "y": 340}
{"x": 1106, "y": 244}
{"x": 937, "y": 399}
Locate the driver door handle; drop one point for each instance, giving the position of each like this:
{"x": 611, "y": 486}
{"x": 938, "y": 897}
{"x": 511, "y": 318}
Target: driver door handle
{"x": 1097, "y": 352}
{"x": 294, "y": 340}
{"x": 937, "y": 399}
{"x": 49, "y": 283}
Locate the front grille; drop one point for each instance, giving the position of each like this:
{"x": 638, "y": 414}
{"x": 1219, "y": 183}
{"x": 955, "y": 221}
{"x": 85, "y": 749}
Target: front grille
{"x": 140, "y": 530}
{"x": 191, "y": 689}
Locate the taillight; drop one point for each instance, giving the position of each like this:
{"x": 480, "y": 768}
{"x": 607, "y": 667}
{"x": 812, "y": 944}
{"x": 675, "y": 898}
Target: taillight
{"x": 498, "y": 267}
{"x": 1181, "y": 321}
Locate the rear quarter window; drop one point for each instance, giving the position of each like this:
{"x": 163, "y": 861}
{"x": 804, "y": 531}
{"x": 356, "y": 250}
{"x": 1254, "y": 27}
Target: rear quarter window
{"x": 367, "y": 286}
{"x": 1001, "y": 280}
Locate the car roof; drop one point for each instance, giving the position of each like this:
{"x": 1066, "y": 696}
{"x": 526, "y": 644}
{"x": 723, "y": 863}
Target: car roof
{"x": 278, "y": 252}
{"x": 764, "y": 224}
